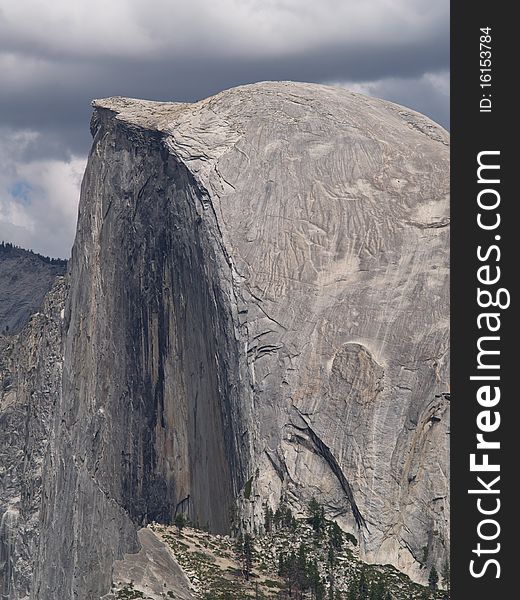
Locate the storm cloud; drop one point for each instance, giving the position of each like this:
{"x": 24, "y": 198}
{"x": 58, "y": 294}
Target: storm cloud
{"x": 55, "y": 57}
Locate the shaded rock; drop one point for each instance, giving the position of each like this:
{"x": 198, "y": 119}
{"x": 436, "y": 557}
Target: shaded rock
{"x": 25, "y": 278}
{"x": 30, "y": 383}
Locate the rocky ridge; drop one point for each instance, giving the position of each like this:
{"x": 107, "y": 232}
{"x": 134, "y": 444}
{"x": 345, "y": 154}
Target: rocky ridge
{"x": 25, "y": 279}
{"x": 30, "y": 383}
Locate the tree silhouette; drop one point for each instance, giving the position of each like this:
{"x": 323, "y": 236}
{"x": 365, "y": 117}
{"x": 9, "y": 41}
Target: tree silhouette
{"x": 446, "y": 574}
{"x": 433, "y": 578}
{"x": 317, "y": 516}
{"x": 247, "y": 555}
{"x": 336, "y": 536}
{"x": 363, "y": 587}
{"x": 268, "y": 522}
{"x": 180, "y": 522}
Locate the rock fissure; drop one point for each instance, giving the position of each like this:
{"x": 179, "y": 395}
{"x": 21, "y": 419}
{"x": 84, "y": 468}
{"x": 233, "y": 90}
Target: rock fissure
{"x": 324, "y": 451}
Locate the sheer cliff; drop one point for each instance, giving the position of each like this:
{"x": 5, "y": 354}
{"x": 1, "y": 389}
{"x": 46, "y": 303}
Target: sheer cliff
{"x": 258, "y": 310}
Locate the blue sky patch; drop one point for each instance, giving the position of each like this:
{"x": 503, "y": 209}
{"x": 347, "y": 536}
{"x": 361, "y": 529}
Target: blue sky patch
{"x": 21, "y": 191}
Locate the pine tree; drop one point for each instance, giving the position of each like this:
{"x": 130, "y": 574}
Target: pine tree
{"x": 314, "y": 506}
{"x": 289, "y": 572}
{"x": 331, "y": 557}
{"x": 446, "y": 574}
{"x": 283, "y": 517}
{"x": 314, "y": 578}
{"x": 331, "y": 592}
{"x": 433, "y": 578}
{"x": 268, "y": 523}
{"x": 302, "y": 580}
{"x": 281, "y": 565}
{"x": 377, "y": 591}
{"x": 277, "y": 518}
{"x": 247, "y": 555}
{"x": 363, "y": 587}
{"x": 320, "y": 591}
{"x": 352, "y": 591}
{"x": 317, "y": 516}
{"x": 336, "y": 536}
{"x": 180, "y": 522}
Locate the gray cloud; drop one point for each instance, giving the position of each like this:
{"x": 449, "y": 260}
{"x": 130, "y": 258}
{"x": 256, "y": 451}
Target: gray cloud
{"x": 38, "y": 196}
{"x": 55, "y": 57}
{"x": 428, "y": 93}
{"x": 226, "y": 28}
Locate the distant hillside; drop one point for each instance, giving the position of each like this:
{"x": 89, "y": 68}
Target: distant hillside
{"x": 25, "y": 278}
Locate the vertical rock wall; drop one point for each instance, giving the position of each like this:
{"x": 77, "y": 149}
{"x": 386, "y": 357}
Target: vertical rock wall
{"x": 151, "y": 421}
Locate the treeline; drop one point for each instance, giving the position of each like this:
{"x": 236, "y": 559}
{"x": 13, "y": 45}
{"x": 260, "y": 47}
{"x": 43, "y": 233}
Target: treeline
{"x": 300, "y": 570}
{"x": 8, "y": 247}
{"x": 303, "y": 575}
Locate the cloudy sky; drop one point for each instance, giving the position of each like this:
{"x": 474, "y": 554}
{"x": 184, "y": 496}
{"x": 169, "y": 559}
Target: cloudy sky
{"x": 55, "y": 56}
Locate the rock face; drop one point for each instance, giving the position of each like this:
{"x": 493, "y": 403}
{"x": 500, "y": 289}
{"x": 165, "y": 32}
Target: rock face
{"x": 154, "y": 569}
{"x": 258, "y": 310}
{"x": 30, "y": 383}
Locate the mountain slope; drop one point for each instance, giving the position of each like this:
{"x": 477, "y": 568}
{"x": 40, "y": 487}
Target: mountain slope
{"x": 30, "y": 383}
{"x": 25, "y": 278}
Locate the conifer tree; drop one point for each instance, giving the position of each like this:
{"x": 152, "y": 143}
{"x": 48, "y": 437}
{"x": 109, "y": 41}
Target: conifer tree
{"x": 277, "y": 517}
{"x": 377, "y": 591}
{"x": 320, "y": 591}
{"x": 281, "y": 565}
{"x": 247, "y": 555}
{"x": 180, "y": 522}
{"x": 363, "y": 587}
{"x": 352, "y": 591}
{"x": 268, "y": 522}
{"x": 317, "y": 516}
{"x": 331, "y": 557}
{"x": 446, "y": 575}
{"x": 336, "y": 536}
{"x": 433, "y": 578}
{"x": 314, "y": 576}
